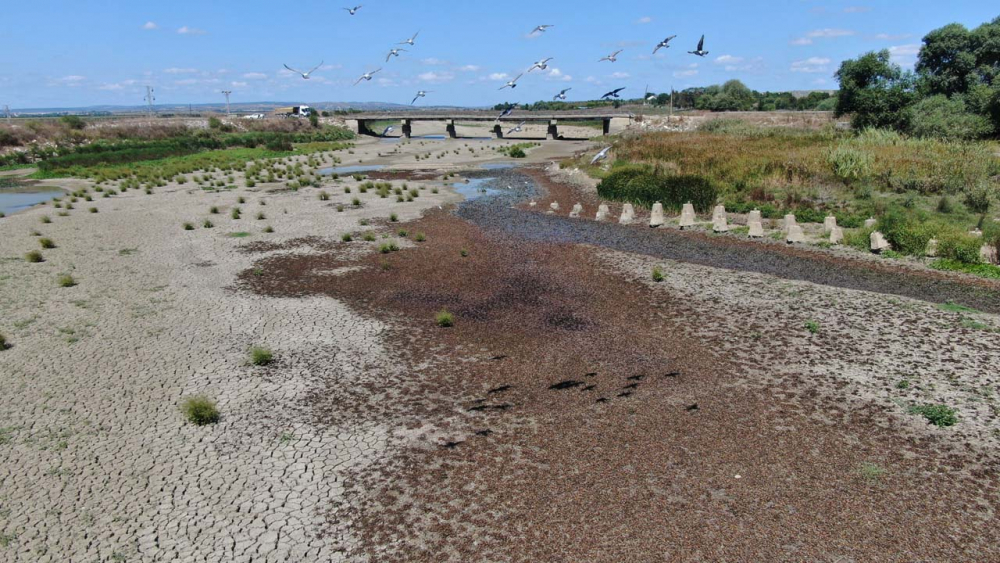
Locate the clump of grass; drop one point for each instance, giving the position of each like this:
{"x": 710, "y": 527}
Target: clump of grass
{"x": 46, "y": 243}
{"x": 260, "y": 356}
{"x": 269, "y": 229}
{"x": 208, "y": 224}
{"x": 369, "y": 237}
{"x": 938, "y": 415}
{"x": 444, "y": 319}
{"x": 363, "y": 222}
{"x": 956, "y": 308}
{"x": 872, "y": 471}
{"x": 200, "y": 410}
{"x": 46, "y": 219}
{"x": 464, "y": 253}
{"x": 394, "y": 218}
{"x": 242, "y": 200}
{"x": 235, "y": 214}
{"x": 34, "y": 257}
{"x": 402, "y": 233}
{"x": 812, "y": 326}
{"x": 356, "y": 202}
{"x": 213, "y": 210}
{"x": 66, "y": 280}
{"x": 188, "y": 227}
{"x": 261, "y": 216}
{"x": 323, "y": 196}
{"x": 92, "y": 210}
{"x": 903, "y": 384}
{"x": 657, "y": 274}
{"x": 3, "y": 342}
{"x": 421, "y": 237}
{"x": 340, "y": 208}
{"x": 346, "y": 237}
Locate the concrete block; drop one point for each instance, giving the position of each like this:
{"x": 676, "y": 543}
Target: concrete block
{"x": 756, "y": 229}
{"x": 754, "y": 216}
{"x": 988, "y": 253}
{"x": 687, "y": 216}
{"x": 576, "y": 211}
{"x": 879, "y": 243}
{"x": 656, "y": 216}
{"x": 788, "y": 223}
{"x": 829, "y": 224}
{"x": 932, "y": 248}
{"x": 719, "y": 211}
{"x": 720, "y": 225}
{"x": 976, "y": 233}
{"x": 795, "y": 234}
{"x": 871, "y": 222}
{"x": 628, "y": 214}
{"x": 836, "y": 235}
{"x": 602, "y": 212}
{"x": 553, "y": 207}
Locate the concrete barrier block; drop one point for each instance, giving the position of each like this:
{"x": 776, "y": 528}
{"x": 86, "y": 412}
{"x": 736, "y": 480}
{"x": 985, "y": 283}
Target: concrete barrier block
{"x": 878, "y": 242}
{"x": 553, "y": 207}
{"x": 795, "y": 234}
{"x": 754, "y": 216}
{"x": 602, "y": 212}
{"x": 932, "y": 248}
{"x": 836, "y": 235}
{"x": 656, "y": 215}
{"x": 628, "y": 214}
{"x": 988, "y": 254}
{"x": 719, "y": 211}
{"x": 720, "y": 224}
{"x": 789, "y": 222}
{"x": 576, "y": 211}
{"x": 756, "y": 229}
{"x": 687, "y": 216}
{"x": 871, "y": 222}
{"x": 829, "y": 224}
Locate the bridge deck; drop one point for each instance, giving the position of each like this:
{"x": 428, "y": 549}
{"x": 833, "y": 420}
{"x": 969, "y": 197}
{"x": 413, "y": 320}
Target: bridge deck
{"x": 488, "y": 117}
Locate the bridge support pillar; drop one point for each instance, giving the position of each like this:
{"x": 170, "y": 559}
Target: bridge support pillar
{"x": 450, "y": 127}
{"x": 498, "y": 130}
{"x": 553, "y": 133}
{"x": 606, "y": 125}
{"x": 407, "y": 129}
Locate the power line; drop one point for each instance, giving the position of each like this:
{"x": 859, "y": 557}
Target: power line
{"x": 150, "y": 99}
{"x": 227, "y": 92}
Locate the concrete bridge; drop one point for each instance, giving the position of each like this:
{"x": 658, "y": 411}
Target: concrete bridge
{"x": 499, "y": 125}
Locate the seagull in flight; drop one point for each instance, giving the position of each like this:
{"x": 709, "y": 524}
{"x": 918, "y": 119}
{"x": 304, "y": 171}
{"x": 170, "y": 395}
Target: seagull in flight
{"x": 516, "y": 129}
{"x": 701, "y": 52}
{"x": 367, "y": 76}
{"x": 601, "y": 155}
{"x": 419, "y": 95}
{"x": 665, "y": 44}
{"x": 612, "y": 94}
{"x": 541, "y": 65}
{"x": 506, "y": 112}
{"x": 410, "y": 41}
{"x": 612, "y": 57}
{"x": 561, "y": 95}
{"x": 393, "y": 53}
{"x": 305, "y": 75}
{"x": 386, "y": 131}
{"x": 541, "y": 29}
{"x": 353, "y": 10}
{"x": 512, "y": 83}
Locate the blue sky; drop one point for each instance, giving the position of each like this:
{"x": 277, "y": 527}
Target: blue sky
{"x": 61, "y": 53}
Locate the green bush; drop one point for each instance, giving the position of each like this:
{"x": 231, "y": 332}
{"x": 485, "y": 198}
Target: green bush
{"x": 200, "y": 410}
{"x": 3, "y": 342}
{"x": 66, "y": 280}
{"x": 906, "y": 234}
{"x": 641, "y": 186}
{"x": 445, "y": 319}
{"x": 961, "y": 247}
{"x": 658, "y": 274}
{"x": 850, "y": 164}
{"x": 516, "y": 152}
{"x": 73, "y": 122}
{"x": 260, "y": 356}
{"x": 34, "y": 257}
{"x": 938, "y": 415}
{"x": 46, "y": 243}
{"x": 947, "y": 118}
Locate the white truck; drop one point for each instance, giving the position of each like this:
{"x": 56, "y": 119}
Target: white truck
{"x": 293, "y": 111}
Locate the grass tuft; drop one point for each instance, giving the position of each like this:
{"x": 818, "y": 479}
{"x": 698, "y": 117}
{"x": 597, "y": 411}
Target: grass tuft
{"x": 46, "y": 243}
{"x": 66, "y": 280}
{"x": 445, "y": 319}
{"x": 261, "y": 356}
{"x": 938, "y": 415}
{"x": 200, "y": 410}
{"x": 658, "y": 274}
{"x": 34, "y": 257}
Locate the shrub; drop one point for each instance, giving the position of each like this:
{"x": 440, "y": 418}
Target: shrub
{"x": 421, "y": 237}
{"x": 516, "y": 152}
{"x": 445, "y": 319}
{"x": 323, "y": 196}
{"x": 235, "y": 213}
{"x": 213, "y": 210}
{"x": 658, "y": 274}
{"x": 260, "y": 356}
{"x": 850, "y": 164}
{"x": 261, "y": 216}
{"x": 368, "y": 237}
{"x": 34, "y": 257}
{"x": 3, "y": 342}
{"x": 394, "y": 218}
{"x": 644, "y": 187}
{"x": 947, "y": 118}
{"x": 904, "y": 233}
{"x": 356, "y": 202}
{"x": 958, "y": 246}
{"x": 812, "y": 327}
{"x": 208, "y": 224}
{"x": 346, "y": 237}
{"x": 188, "y": 227}
{"x": 402, "y": 233}
{"x": 46, "y": 219}
{"x": 46, "y": 243}
{"x": 73, "y": 122}
{"x": 66, "y": 280}
{"x": 269, "y": 229}
{"x": 200, "y": 410}
{"x": 94, "y": 209}
{"x": 938, "y": 415}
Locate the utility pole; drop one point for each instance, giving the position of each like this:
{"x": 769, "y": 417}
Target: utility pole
{"x": 227, "y": 92}
{"x": 150, "y": 99}
{"x": 669, "y": 117}
{"x": 6, "y": 112}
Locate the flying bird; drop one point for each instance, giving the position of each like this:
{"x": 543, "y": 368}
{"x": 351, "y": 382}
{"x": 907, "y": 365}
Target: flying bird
{"x": 665, "y": 44}
{"x": 540, "y": 65}
{"x": 410, "y": 41}
{"x": 561, "y": 95}
{"x": 353, "y": 10}
{"x": 305, "y": 75}
{"x": 516, "y": 129}
{"x": 367, "y": 76}
{"x": 512, "y": 83}
{"x": 612, "y": 57}
{"x": 419, "y": 95}
{"x": 506, "y": 112}
{"x": 393, "y": 53}
{"x": 701, "y": 52}
{"x": 612, "y": 94}
{"x": 541, "y": 29}
{"x": 386, "y": 131}
{"x": 601, "y": 155}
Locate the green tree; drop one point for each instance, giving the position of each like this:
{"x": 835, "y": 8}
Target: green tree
{"x": 875, "y": 91}
{"x": 947, "y": 63}
{"x": 947, "y": 118}
{"x": 73, "y": 122}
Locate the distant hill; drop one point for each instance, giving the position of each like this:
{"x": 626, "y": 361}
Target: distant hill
{"x": 244, "y": 107}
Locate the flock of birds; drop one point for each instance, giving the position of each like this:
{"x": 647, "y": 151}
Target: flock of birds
{"x": 512, "y": 83}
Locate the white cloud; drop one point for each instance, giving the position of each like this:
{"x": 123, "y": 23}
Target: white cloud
{"x": 905, "y": 55}
{"x": 682, "y": 73}
{"x": 812, "y": 65}
{"x": 556, "y": 74}
{"x": 469, "y": 68}
{"x": 72, "y": 79}
{"x": 433, "y": 61}
{"x": 499, "y": 76}
{"x": 185, "y": 30}
{"x": 820, "y": 82}
{"x": 436, "y": 76}
{"x": 728, "y": 60}
{"x": 238, "y": 84}
{"x": 150, "y": 25}
{"x": 110, "y": 87}
{"x": 891, "y": 37}
{"x": 180, "y": 70}
{"x": 255, "y": 76}
{"x": 620, "y": 75}
{"x": 827, "y": 33}
{"x": 644, "y": 20}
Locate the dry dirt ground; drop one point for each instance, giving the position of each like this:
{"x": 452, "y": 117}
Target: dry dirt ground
{"x": 577, "y": 410}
